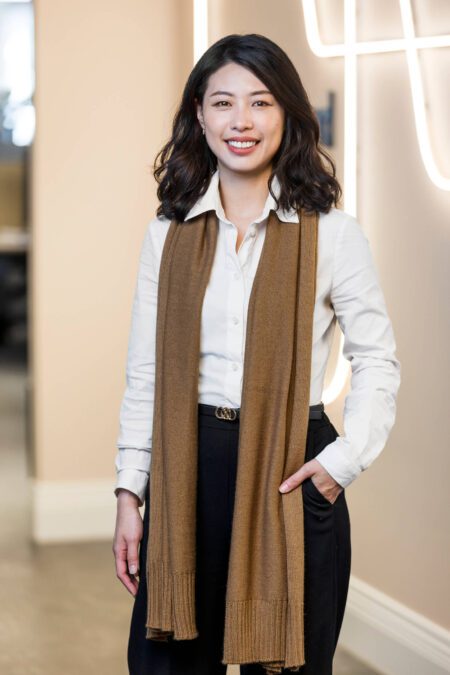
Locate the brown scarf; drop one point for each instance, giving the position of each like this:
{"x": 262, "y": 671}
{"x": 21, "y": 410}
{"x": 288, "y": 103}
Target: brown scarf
{"x": 264, "y": 621}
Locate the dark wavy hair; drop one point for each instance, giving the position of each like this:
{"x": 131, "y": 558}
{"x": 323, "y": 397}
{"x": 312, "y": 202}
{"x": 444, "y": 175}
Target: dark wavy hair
{"x": 184, "y": 166}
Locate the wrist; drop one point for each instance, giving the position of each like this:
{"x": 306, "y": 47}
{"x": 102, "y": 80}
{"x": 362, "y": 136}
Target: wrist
{"x": 125, "y": 496}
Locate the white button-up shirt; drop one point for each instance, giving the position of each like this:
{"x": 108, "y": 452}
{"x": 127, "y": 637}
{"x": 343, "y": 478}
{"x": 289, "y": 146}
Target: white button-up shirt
{"x": 347, "y": 290}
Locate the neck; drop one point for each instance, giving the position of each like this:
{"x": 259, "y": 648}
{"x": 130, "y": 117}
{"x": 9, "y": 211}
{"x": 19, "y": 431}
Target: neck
{"x": 243, "y": 194}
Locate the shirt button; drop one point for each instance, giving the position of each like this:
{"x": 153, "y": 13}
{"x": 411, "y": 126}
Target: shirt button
{"x": 253, "y": 233}
{"x": 235, "y": 319}
{"x": 234, "y": 366}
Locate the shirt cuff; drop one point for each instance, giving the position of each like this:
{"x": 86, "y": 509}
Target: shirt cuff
{"x": 133, "y": 480}
{"x": 334, "y": 459}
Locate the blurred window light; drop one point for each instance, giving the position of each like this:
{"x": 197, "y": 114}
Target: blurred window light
{"x": 17, "y": 81}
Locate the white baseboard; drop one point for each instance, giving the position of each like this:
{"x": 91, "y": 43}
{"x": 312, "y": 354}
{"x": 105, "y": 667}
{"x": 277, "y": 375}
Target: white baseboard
{"x": 390, "y": 637}
{"x": 378, "y": 630}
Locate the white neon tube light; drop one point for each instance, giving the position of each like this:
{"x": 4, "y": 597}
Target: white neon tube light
{"x": 418, "y": 98}
{"x": 200, "y": 28}
{"x": 350, "y": 97}
{"x": 409, "y": 44}
{"x": 350, "y": 49}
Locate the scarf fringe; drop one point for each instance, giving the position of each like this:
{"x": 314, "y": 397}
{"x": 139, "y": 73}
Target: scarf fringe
{"x": 171, "y": 603}
{"x": 256, "y": 631}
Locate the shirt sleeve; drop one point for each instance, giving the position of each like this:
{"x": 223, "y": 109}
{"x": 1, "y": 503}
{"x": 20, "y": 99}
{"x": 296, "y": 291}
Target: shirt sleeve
{"x": 134, "y": 441}
{"x": 369, "y": 346}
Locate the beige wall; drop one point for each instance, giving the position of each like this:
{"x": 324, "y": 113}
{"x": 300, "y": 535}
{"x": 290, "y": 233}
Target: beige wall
{"x": 108, "y": 77}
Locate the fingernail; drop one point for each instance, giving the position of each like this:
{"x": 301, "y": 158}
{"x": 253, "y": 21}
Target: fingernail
{"x": 133, "y": 569}
{"x": 284, "y": 487}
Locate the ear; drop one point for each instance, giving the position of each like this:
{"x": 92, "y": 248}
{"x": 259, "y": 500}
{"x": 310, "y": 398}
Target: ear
{"x": 199, "y": 113}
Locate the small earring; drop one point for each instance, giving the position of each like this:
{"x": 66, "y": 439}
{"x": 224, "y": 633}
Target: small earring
{"x": 203, "y": 131}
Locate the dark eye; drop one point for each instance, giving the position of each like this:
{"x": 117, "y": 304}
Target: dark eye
{"x": 218, "y": 104}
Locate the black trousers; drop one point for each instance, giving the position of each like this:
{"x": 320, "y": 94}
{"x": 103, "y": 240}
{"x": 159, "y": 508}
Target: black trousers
{"x": 327, "y": 564}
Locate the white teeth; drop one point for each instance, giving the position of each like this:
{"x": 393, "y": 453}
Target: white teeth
{"x": 242, "y": 144}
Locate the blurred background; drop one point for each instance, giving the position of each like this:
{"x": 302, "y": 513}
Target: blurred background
{"x": 87, "y": 95}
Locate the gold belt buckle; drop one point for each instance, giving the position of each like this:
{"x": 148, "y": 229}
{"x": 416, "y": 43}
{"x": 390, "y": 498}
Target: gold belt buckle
{"x": 225, "y": 413}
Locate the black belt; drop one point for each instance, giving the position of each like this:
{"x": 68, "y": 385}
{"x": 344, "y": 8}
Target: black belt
{"x": 316, "y": 411}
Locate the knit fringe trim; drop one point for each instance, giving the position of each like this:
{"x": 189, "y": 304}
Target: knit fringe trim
{"x": 170, "y": 603}
{"x": 268, "y": 632}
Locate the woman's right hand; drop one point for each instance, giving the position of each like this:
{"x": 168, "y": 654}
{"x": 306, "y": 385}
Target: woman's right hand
{"x": 127, "y": 536}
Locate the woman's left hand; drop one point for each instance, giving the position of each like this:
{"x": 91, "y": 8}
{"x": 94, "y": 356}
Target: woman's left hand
{"x": 329, "y": 488}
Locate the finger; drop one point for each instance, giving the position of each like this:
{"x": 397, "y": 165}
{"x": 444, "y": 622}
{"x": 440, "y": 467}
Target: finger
{"x": 130, "y": 582}
{"x": 122, "y": 572}
{"x": 292, "y": 482}
{"x": 305, "y": 471}
{"x": 133, "y": 558}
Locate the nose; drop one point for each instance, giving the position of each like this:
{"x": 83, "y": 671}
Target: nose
{"x": 242, "y": 118}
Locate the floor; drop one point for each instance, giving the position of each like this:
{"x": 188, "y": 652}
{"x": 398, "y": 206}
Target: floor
{"x": 62, "y": 608}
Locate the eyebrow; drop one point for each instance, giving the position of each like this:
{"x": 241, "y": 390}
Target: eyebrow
{"x": 227, "y": 93}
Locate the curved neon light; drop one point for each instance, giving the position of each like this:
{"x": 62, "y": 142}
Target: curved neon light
{"x": 350, "y": 49}
{"x": 410, "y": 45}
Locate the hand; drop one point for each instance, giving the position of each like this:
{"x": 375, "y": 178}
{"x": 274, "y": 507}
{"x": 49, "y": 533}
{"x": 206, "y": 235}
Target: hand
{"x": 329, "y": 488}
{"x": 128, "y": 534}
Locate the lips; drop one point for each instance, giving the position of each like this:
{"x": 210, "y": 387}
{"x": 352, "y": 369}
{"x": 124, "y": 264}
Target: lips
{"x": 242, "y": 149}
{"x": 242, "y": 140}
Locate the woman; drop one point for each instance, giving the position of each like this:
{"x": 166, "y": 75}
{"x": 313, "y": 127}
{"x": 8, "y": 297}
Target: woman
{"x": 244, "y": 168}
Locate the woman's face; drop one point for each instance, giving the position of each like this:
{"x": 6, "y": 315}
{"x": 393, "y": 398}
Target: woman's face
{"x": 238, "y": 106}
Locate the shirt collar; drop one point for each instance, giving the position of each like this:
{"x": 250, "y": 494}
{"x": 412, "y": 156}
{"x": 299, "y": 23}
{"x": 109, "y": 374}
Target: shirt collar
{"x": 211, "y": 201}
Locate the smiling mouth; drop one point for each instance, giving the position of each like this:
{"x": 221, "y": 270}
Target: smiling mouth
{"x": 242, "y": 144}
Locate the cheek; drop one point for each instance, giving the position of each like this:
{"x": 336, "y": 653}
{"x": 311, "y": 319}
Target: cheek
{"x": 275, "y": 134}
{"x": 274, "y": 127}
{"x": 280, "y": 122}
{"x": 217, "y": 132}
{"x": 214, "y": 122}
